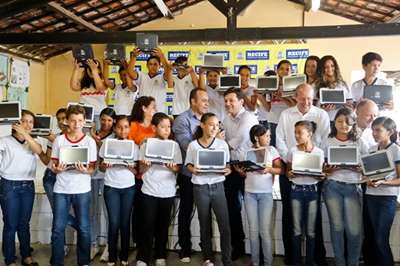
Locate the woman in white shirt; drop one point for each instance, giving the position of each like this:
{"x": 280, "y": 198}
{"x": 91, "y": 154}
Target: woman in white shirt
{"x": 17, "y": 190}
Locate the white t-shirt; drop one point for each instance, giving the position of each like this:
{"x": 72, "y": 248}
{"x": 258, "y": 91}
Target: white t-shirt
{"x": 305, "y": 180}
{"x": 382, "y": 190}
{"x": 124, "y": 100}
{"x": 346, "y": 175}
{"x": 73, "y": 181}
{"x": 216, "y": 103}
{"x": 347, "y": 95}
{"x": 158, "y": 180}
{"x": 119, "y": 176}
{"x": 153, "y": 86}
{"x": 182, "y": 88}
{"x": 18, "y": 162}
{"x": 191, "y": 158}
{"x": 257, "y": 182}
{"x": 94, "y": 97}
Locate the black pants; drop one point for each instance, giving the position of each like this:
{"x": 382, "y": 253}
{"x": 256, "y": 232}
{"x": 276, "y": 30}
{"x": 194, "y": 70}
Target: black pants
{"x": 156, "y": 216}
{"x": 185, "y": 214}
{"x": 234, "y": 186}
{"x": 136, "y": 212}
{"x": 320, "y": 252}
{"x": 273, "y": 133}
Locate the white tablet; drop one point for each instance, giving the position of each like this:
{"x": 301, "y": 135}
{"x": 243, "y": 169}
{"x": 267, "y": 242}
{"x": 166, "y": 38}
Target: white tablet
{"x": 331, "y": 96}
{"x": 119, "y": 149}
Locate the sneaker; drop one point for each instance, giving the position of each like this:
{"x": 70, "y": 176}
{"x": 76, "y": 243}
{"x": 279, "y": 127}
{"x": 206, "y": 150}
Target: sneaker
{"x": 93, "y": 252}
{"x": 161, "y": 262}
{"x": 185, "y": 259}
{"x": 208, "y": 263}
{"x": 141, "y": 263}
{"x": 66, "y": 250}
{"x": 104, "y": 255}
{"x": 110, "y": 263}
{"x": 124, "y": 263}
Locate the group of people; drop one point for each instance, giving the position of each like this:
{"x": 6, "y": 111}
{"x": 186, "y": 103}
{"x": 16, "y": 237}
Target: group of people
{"x": 141, "y": 195}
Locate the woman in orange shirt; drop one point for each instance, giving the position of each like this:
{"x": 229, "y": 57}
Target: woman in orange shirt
{"x": 142, "y": 113}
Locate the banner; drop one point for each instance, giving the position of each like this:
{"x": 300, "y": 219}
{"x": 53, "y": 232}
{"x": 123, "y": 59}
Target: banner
{"x": 19, "y": 74}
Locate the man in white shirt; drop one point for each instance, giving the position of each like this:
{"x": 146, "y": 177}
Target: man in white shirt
{"x": 285, "y": 140}
{"x": 366, "y": 112}
{"x": 237, "y": 125}
{"x": 215, "y": 98}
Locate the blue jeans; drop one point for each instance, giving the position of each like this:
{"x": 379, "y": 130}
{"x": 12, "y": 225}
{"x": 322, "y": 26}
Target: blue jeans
{"x": 304, "y": 199}
{"x": 16, "y": 200}
{"x": 259, "y": 216}
{"x": 344, "y": 205}
{"x": 81, "y": 205}
{"x": 49, "y": 179}
{"x": 119, "y": 203}
{"x": 96, "y": 205}
{"x": 381, "y": 211}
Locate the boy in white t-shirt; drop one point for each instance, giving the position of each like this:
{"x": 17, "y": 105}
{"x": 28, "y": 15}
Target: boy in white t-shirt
{"x": 72, "y": 187}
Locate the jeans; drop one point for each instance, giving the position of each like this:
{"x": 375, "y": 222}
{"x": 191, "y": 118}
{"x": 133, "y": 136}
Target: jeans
{"x": 185, "y": 214}
{"x": 381, "y": 211}
{"x": 207, "y": 197}
{"x": 16, "y": 200}
{"x": 96, "y": 204}
{"x": 344, "y": 205}
{"x": 49, "y": 179}
{"x": 259, "y": 216}
{"x": 81, "y": 205}
{"x": 304, "y": 200}
{"x": 287, "y": 218}
{"x": 119, "y": 203}
{"x": 155, "y": 222}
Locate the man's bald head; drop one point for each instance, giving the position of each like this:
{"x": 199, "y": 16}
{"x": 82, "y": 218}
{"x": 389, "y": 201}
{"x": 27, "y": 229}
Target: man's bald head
{"x": 304, "y": 97}
{"x": 366, "y": 112}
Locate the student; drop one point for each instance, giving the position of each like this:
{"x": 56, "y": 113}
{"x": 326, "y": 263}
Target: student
{"x": 17, "y": 190}
{"x": 140, "y": 119}
{"x": 342, "y": 192}
{"x": 208, "y": 190}
{"x": 330, "y": 78}
{"x": 250, "y": 100}
{"x": 380, "y": 197}
{"x": 264, "y": 104}
{"x": 153, "y": 83}
{"x": 310, "y": 70}
{"x": 258, "y": 196}
{"x": 119, "y": 193}
{"x": 184, "y": 82}
{"x": 107, "y": 117}
{"x": 158, "y": 194}
{"x": 215, "y": 98}
{"x": 72, "y": 187}
{"x": 304, "y": 194}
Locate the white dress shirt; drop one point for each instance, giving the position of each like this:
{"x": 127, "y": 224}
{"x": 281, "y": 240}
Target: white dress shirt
{"x": 216, "y": 102}
{"x": 285, "y": 139}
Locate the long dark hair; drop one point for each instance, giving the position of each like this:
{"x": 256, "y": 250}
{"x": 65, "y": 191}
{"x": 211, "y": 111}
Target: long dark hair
{"x": 257, "y": 131}
{"x": 311, "y": 126}
{"x": 199, "y": 131}
{"x": 311, "y": 58}
{"x": 87, "y": 81}
{"x": 388, "y": 124}
{"x": 321, "y": 71}
{"x": 137, "y": 114}
{"x": 353, "y": 135}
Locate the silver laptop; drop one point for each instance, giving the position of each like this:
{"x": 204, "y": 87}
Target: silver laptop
{"x": 89, "y": 113}
{"x": 71, "y": 155}
{"x": 309, "y": 164}
{"x": 210, "y": 161}
{"x": 290, "y": 83}
{"x": 10, "y": 112}
{"x": 380, "y": 94}
{"x": 42, "y": 125}
{"x": 330, "y": 96}
{"x": 159, "y": 151}
{"x": 146, "y": 42}
{"x": 119, "y": 152}
{"x": 213, "y": 61}
{"x": 345, "y": 155}
{"x": 228, "y": 81}
{"x": 115, "y": 53}
{"x": 267, "y": 84}
{"x": 377, "y": 165}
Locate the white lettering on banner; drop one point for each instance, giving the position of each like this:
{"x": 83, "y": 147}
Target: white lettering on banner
{"x": 175, "y": 54}
{"x": 257, "y": 55}
{"x": 297, "y": 53}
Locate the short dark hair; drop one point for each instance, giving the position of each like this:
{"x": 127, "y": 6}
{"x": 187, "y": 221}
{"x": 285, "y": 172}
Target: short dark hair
{"x": 193, "y": 94}
{"x": 269, "y": 73}
{"x": 257, "y": 131}
{"x": 237, "y": 91}
{"x": 153, "y": 57}
{"x": 27, "y": 112}
{"x": 109, "y": 112}
{"x": 369, "y": 57}
{"x": 311, "y": 126}
{"x": 284, "y": 61}
{"x": 181, "y": 59}
{"x": 75, "y": 110}
{"x": 244, "y": 67}
{"x": 158, "y": 117}
{"x": 137, "y": 114}
{"x": 121, "y": 117}
{"x": 61, "y": 110}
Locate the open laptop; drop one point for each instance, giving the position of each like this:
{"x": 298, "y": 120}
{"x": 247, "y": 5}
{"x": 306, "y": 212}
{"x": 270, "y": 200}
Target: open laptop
{"x": 309, "y": 164}
{"x": 254, "y": 160}
{"x": 42, "y": 125}
{"x": 82, "y": 52}
{"x": 115, "y": 53}
{"x": 89, "y": 113}
{"x": 290, "y": 83}
{"x": 146, "y": 42}
{"x": 159, "y": 151}
{"x": 267, "y": 84}
{"x": 377, "y": 165}
{"x": 10, "y": 112}
{"x": 344, "y": 155}
{"x": 70, "y": 155}
{"x": 213, "y": 62}
{"x": 119, "y": 152}
{"x": 380, "y": 94}
{"x": 210, "y": 161}
{"x": 330, "y": 96}
{"x": 228, "y": 81}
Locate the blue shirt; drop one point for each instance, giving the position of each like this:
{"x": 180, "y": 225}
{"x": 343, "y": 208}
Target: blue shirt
{"x": 184, "y": 128}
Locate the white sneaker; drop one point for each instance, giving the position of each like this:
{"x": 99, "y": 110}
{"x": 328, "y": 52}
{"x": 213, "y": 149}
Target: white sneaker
{"x": 124, "y": 263}
{"x": 93, "y": 252}
{"x": 110, "y": 263}
{"x": 161, "y": 262}
{"x": 185, "y": 260}
{"x": 208, "y": 263}
{"x": 104, "y": 255}
{"x": 141, "y": 263}
{"x": 66, "y": 250}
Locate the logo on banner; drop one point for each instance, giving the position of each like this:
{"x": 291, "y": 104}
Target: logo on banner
{"x": 294, "y": 68}
{"x": 297, "y": 53}
{"x": 224, "y": 53}
{"x": 172, "y": 56}
{"x": 257, "y": 55}
{"x": 252, "y": 67}
{"x": 142, "y": 57}
{"x": 138, "y": 67}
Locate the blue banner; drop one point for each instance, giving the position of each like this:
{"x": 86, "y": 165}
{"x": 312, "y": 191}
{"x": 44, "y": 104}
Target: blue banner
{"x": 175, "y": 54}
{"x": 257, "y": 55}
{"x": 297, "y": 53}
{"x": 253, "y": 68}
